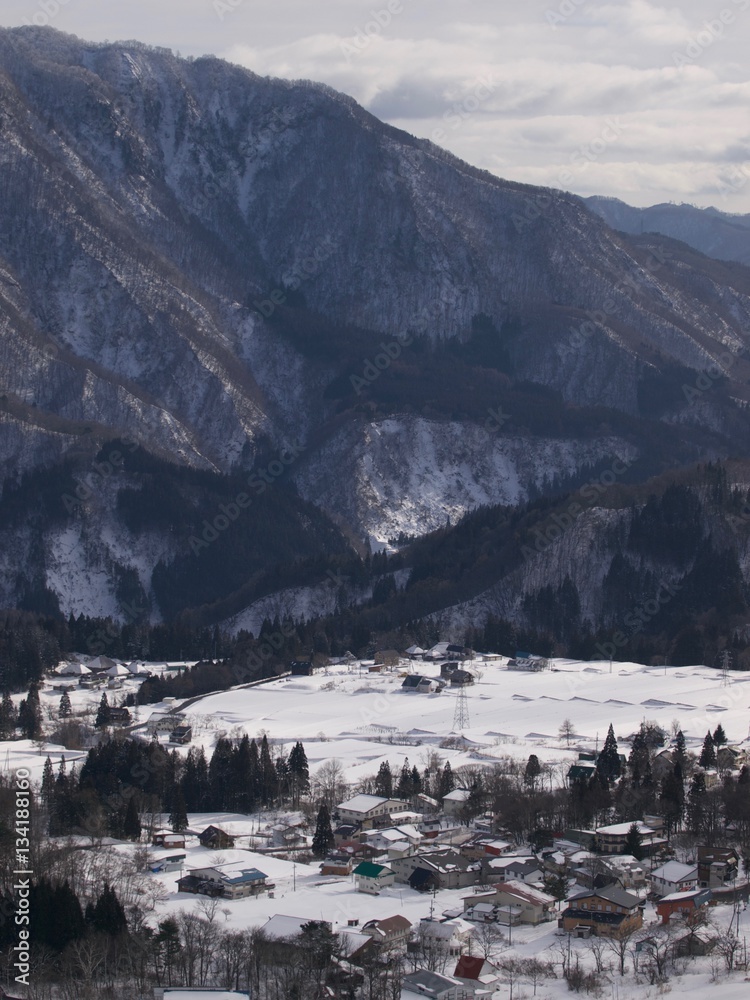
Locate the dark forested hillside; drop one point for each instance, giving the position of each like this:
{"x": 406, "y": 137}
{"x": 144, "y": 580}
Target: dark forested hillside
{"x": 217, "y": 286}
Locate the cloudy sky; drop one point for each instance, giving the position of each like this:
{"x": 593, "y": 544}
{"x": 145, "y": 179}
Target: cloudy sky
{"x": 635, "y": 99}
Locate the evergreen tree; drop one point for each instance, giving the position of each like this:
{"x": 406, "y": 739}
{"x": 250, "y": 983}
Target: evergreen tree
{"x": 243, "y": 777}
{"x": 696, "y": 798}
{"x": 8, "y": 717}
{"x": 30, "y": 714}
{"x": 221, "y": 775}
{"x": 634, "y": 842}
{"x": 719, "y": 737}
{"x": 680, "y": 750}
{"x": 132, "y": 823}
{"x": 67, "y": 922}
{"x": 299, "y": 772}
{"x": 323, "y": 837}
{"x": 416, "y": 781}
{"x": 556, "y": 886}
{"x": 269, "y": 786}
{"x": 384, "y": 781}
{"x": 404, "y": 787}
{"x": 532, "y": 772}
{"x": 447, "y": 781}
{"x": 608, "y": 762}
{"x": 639, "y": 761}
{"x": 108, "y": 915}
{"x": 65, "y": 709}
{"x": 673, "y": 799}
{"x": 178, "y": 820}
{"x": 48, "y": 783}
{"x": 707, "y": 758}
{"x": 102, "y": 716}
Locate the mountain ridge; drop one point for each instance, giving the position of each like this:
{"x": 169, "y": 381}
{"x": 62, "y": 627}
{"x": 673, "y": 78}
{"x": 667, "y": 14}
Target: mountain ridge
{"x": 205, "y": 261}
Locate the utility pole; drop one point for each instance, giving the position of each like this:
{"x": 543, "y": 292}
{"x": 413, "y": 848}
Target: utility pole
{"x": 461, "y": 714}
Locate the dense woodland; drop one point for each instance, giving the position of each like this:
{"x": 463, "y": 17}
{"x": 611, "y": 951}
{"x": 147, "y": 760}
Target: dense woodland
{"x": 690, "y": 530}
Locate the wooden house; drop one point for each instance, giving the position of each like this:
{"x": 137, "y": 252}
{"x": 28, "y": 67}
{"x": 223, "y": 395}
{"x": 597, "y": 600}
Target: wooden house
{"x": 216, "y": 838}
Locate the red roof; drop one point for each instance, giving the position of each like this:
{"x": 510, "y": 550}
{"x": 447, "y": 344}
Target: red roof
{"x": 469, "y": 967}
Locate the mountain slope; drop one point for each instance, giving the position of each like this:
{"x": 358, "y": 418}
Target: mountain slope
{"x": 227, "y": 269}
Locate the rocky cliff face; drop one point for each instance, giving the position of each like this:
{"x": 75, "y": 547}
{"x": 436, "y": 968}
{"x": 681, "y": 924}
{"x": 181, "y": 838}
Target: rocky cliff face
{"x": 203, "y": 260}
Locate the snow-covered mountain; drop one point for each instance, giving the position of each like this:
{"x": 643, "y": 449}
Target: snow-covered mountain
{"x": 228, "y": 269}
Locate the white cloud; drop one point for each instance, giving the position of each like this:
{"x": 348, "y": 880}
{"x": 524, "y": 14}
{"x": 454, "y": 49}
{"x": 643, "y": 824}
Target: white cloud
{"x": 677, "y": 77}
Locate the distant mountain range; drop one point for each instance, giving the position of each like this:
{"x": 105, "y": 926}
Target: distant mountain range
{"x": 715, "y": 233}
{"x": 246, "y": 326}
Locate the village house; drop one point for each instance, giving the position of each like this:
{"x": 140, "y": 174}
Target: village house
{"x": 301, "y": 668}
{"x": 432, "y": 827}
{"x": 167, "y": 862}
{"x": 164, "y": 722}
{"x": 420, "y": 684}
{"x": 455, "y": 802}
{"x": 529, "y": 662}
{"x": 216, "y": 838}
{"x": 181, "y": 735}
{"x": 390, "y": 934}
{"x": 166, "y": 838}
{"x": 602, "y": 912}
{"x": 436, "y": 869}
{"x": 232, "y": 881}
{"x": 453, "y": 933}
{"x": 406, "y": 836}
{"x": 338, "y": 863}
{"x": 717, "y": 866}
{"x": 461, "y": 678}
{"x": 673, "y": 877}
{"x": 477, "y": 972}
{"x": 683, "y": 904}
{"x": 532, "y": 905}
{"x": 612, "y": 839}
{"x": 118, "y": 716}
{"x": 433, "y": 986}
{"x": 365, "y": 810}
{"x": 372, "y": 878}
{"x": 485, "y": 846}
{"x": 501, "y": 869}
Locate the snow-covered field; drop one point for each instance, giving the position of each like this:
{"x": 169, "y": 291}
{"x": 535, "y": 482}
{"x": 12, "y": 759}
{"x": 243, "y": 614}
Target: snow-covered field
{"x": 361, "y": 718}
